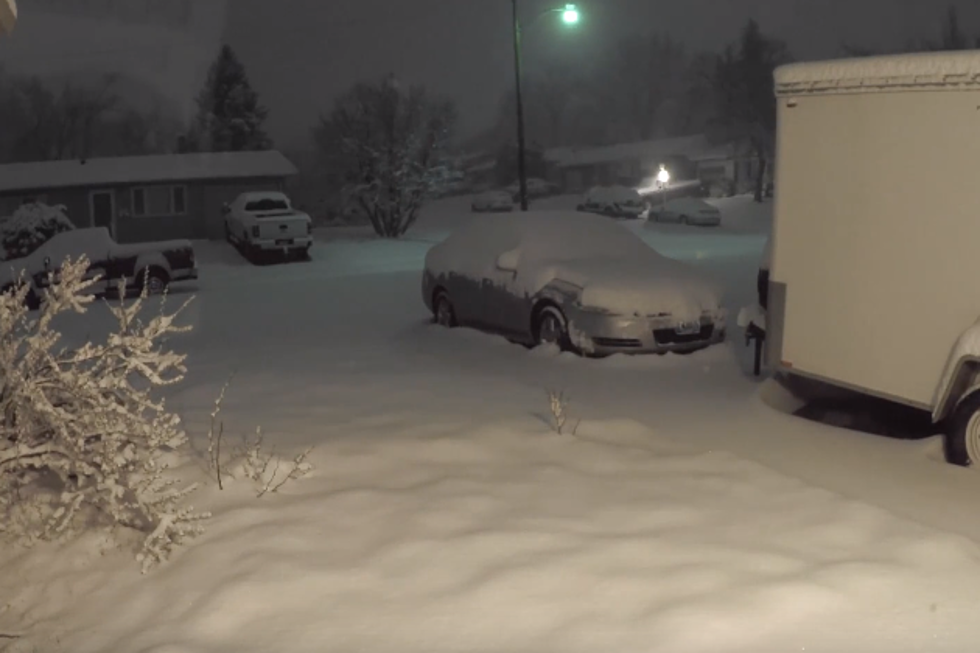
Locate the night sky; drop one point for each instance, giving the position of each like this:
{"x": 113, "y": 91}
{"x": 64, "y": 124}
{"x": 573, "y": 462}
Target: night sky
{"x": 303, "y": 52}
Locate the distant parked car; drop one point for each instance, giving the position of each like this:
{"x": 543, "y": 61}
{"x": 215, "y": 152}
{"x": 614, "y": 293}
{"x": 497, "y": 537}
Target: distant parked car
{"x": 687, "y": 210}
{"x": 492, "y": 201}
{"x": 570, "y": 279}
{"x": 154, "y": 265}
{"x": 266, "y": 223}
{"x": 613, "y": 201}
{"x": 536, "y": 188}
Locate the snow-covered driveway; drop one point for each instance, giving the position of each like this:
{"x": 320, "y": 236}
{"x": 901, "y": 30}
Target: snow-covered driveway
{"x": 684, "y": 514}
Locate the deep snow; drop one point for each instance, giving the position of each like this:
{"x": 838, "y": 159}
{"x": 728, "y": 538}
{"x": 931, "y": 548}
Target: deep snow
{"x": 685, "y": 514}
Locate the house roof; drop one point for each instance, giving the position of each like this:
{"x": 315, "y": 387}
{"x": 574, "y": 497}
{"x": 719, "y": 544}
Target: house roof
{"x": 868, "y": 74}
{"x": 696, "y": 148}
{"x": 143, "y": 169}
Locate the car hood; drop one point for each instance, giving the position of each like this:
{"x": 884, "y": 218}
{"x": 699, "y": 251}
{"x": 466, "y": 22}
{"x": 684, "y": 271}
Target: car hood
{"x": 654, "y": 286}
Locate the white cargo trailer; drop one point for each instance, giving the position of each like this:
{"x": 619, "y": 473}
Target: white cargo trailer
{"x": 875, "y": 275}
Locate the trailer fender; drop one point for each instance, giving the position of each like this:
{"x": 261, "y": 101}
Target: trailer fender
{"x": 961, "y": 376}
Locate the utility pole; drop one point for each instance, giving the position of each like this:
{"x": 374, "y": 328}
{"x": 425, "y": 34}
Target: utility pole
{"x": 521, "y": 154}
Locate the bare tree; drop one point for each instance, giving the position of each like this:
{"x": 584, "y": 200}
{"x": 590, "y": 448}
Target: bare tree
{"x": 56, "y": 125}
{"x": 645, "y": 74}
{"x": 745, "y": 106}
{"x": 382, "y": 146}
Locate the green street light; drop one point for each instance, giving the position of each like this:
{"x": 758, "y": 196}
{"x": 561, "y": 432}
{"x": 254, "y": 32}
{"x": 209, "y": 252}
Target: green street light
{"x": 570, "y": 15}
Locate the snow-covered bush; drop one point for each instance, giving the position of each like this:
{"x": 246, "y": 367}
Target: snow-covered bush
{"x": 83, "y": 440}
{"x": 264, "y": 468}
{"x": 31, "y": 226}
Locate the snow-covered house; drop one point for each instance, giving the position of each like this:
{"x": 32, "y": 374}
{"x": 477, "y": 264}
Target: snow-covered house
{"x": 143, "y": 198}
{"x": 8, "y": 15}
{"x": 632, "y": 164}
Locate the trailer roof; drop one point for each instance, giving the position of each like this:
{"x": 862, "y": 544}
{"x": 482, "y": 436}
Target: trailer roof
{"x": 920, "y": 71}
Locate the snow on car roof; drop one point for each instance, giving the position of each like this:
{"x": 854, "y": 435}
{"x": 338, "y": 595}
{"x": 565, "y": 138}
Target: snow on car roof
{"x": 143, "y": 169}
{"x": 931, "y": 70}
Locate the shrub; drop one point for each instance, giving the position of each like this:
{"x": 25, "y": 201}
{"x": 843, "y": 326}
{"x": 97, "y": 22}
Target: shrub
{"x": 31, "y": 226}
{"x": 83, "y": 439}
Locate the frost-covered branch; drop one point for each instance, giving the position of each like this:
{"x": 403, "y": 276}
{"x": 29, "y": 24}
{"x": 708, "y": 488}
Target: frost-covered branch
{"x": 81, "y": 430}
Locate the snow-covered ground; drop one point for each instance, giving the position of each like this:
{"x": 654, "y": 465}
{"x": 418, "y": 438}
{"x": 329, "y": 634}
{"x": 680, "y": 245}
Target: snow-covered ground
{"x": 684, "y": 513}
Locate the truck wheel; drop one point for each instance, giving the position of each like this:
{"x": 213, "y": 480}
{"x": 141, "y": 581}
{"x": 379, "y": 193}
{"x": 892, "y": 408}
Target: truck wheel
{"x": 962, "y": 441}
{"x": 154, "y": 280}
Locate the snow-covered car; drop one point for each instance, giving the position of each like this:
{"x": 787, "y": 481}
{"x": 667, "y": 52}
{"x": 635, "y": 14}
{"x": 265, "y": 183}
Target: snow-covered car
{"x": 687, "y": 210}
{"x": 536, "y": 188}
{"x": 613, "y": 201}
{"x": 575, "y": 280}
{"x": 266, "y": 222}
{"x": 492, "y": 201}
{"x": 155, "y": 265}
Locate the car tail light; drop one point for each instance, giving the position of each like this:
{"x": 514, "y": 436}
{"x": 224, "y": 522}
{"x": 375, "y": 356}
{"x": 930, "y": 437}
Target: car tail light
{"x": 255, "y": 231}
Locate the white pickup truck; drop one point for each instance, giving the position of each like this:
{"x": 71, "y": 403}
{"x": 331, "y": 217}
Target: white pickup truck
{"x": 266, "y": 223}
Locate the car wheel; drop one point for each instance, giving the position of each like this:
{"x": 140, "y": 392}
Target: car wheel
{"x": 443, "y": 311}
{"x": 962, "y": 441}
{"x": 154, "y": 281}
{"x": 551, "y": 328}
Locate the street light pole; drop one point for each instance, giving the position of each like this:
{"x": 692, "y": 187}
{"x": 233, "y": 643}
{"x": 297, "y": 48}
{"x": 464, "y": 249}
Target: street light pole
{"x": 521, "y": 146}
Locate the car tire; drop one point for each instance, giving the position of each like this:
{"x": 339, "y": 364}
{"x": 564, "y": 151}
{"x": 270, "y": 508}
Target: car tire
{"x": 551, "y": 328}
{"x": 962, "y": 439}
{"x": 443, "y": 311}
{"x": 154, "y": 280}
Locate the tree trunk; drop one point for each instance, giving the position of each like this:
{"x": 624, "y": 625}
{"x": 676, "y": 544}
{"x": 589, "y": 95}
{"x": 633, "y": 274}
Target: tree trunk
{"x": 760, "y": 180}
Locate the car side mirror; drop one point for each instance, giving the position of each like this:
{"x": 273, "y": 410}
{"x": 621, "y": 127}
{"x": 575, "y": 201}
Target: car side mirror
{"x": 508, "y": 261}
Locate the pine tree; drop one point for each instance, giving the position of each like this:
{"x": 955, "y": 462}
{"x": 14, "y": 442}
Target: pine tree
{"x": 229, "y": 117}
{"x": 745, "y": 103}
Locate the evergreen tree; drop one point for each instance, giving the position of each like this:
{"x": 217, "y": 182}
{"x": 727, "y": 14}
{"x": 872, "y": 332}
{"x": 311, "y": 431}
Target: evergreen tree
{"x": 229, "y": 118}
{"x": 745, "y": 107}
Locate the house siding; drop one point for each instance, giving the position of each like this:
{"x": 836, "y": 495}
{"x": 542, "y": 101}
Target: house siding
{"x": 203, "y": 218}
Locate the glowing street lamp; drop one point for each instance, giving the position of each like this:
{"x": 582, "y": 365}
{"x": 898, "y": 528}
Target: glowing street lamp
{"x": 569, "y": 16}
{"x": 664, "y": 178}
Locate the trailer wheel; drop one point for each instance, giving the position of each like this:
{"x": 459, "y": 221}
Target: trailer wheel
{"x": 962, "y": 441}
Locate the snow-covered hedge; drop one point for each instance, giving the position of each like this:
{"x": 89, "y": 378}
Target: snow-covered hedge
{"x": 31, "y": 226}
{"x": 83, "y": 439}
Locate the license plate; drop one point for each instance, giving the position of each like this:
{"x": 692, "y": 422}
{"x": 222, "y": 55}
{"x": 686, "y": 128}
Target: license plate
{"x": 287, "y": 241}
{"x": 688, "y": 328}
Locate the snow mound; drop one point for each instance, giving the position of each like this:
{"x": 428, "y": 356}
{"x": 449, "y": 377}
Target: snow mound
{"x": 512, "y": 538}
{"x": 932, "y": 69}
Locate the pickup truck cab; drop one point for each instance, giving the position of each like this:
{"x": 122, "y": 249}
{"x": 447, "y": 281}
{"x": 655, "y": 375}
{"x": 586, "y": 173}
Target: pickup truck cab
{"x": 154, "y": 265}
{"x": 265, "y": 223}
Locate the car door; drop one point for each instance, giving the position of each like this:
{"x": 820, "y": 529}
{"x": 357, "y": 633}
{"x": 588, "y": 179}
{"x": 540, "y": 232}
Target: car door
{"x": 501, "y": 298}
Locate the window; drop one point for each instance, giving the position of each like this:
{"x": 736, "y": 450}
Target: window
{"x": 267, "y": 204}
{"x": 159, "y": 200}
{"x": 180, "y": 200}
